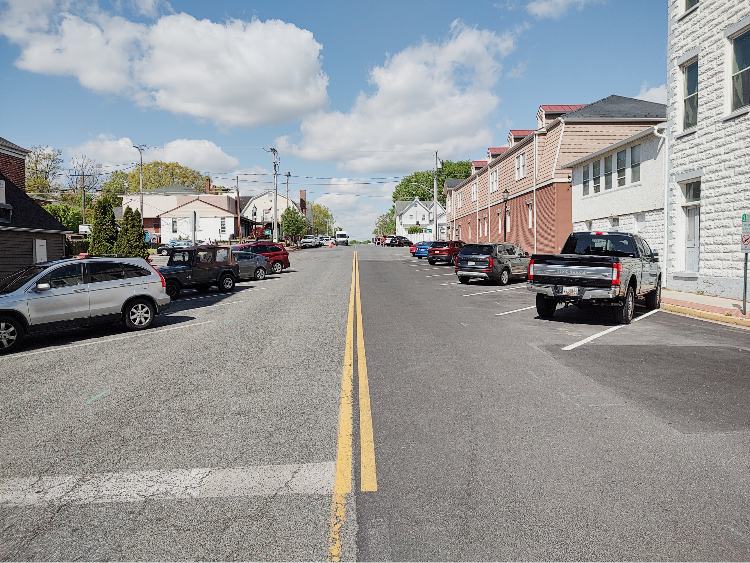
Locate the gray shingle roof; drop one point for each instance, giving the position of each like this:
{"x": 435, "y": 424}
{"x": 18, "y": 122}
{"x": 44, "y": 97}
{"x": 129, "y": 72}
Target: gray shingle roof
{"x": 174, "y": 189}
{"x": 401, "y": 206}
{"x": 8, "y": 145}
{"x": 619, "y": 107}
{"x": 453, "y": 182}
{"x": 26, "y": 213}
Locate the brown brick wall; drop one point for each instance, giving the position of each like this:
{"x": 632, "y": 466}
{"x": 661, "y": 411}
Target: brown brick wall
{"x": 14, "y": 169}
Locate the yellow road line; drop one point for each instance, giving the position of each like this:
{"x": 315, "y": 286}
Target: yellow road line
{"x": 342, "y": 484}
{"x": 368, "y": 475}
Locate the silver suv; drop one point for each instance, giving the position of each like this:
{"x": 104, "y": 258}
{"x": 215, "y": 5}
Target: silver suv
{"x": 46, "y": 296}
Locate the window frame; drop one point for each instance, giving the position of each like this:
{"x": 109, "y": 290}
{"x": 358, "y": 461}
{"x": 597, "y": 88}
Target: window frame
{"x": 596, "y": 176}
{"x": 474, "y": 195}
{"x": 608, "y": 172}
{"x": 585, "y": 179}
{"x": 520, "y": 166}
{"x": 685, "y": 69}
{"x": 621, "y": 179}
{"x": 635, "y": 165}
{"x": 744, "y": 33}
{"x": 530, "y": 211}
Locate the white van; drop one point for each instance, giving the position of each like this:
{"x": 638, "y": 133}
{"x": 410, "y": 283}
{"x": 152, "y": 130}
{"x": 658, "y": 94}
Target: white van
{"x": 342, "y": 238}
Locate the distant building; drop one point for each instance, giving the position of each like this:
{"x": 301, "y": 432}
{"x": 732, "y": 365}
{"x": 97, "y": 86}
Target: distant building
{"x": 28, "y": 234}
{"x": 419, "y": 214}
{"x": 708, "y": 87}
{"x": 258, "y": 210}
{"x": 621, "y": 187}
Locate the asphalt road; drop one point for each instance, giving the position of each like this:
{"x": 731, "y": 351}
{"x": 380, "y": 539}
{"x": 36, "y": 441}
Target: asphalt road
{"x": 219, "y": 435}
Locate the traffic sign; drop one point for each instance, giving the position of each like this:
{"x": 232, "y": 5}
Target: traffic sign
{"x": 746, "y": 233}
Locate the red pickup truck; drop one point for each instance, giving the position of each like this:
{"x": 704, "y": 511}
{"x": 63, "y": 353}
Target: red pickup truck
{"x": 444, "y": 251}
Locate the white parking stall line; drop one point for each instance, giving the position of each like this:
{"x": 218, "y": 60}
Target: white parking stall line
{"x": 169, "y": 484}
{"x": 515, "y": 311}
{"x": 105, "y": 340}
{"x": 494, "y": 291}
{"x": 604, "y": 332}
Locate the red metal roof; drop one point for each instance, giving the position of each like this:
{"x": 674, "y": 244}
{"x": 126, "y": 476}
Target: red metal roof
{"x": 481, "y": 163}
{"x": 521, "y": 132}
{"x": 497, "y": 150}
{"x": 561, "y": 108}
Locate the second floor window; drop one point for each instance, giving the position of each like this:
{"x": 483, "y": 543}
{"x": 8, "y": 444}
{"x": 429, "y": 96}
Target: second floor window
{"x": 635, "y": 163}
{"x": 530, "y": 210}
{"x": 520, "y": 166}
{"x": 474, "y": 191}
{"x": 493, "y": 181}
{"x": 586, "y": 180}
{"x": 608, "y": 172}
{"x": 621, "y": 168}
{"x": 741, "y": 71}
{"x": 597, "y": 176}
{"x": 223, "y": 225}
{"x": 689, "y": 4}
{"x": 174, "y": 226}
{"x": 690, "y": 103}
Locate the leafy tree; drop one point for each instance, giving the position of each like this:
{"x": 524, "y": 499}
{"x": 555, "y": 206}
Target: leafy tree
{"x": 43, "y": 168}
{"x": 130, "y": 239}
{"x": 115, "y": 187}
{"x": 69, "y": 215}
{"x": 103, "y": 229}
{"x": 386, "y": 223}
{"x": 419, "y": 184}
{"x": 158, "y": 174}
{"x": 293, "y": 223}
{"x": 322, "y": 219}
{"x": 414, "y": 229}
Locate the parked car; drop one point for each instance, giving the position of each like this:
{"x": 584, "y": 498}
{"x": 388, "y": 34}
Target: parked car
{"x": 51, "y": 295}
{"x": 200, "y": 267}
{"x": 164, "y": 249}
{"x": 398, "y": 240}
{"x": 325, "y": 240}
{"x": 495, "y": 262}
{"x": 251, "y": 266}
{"x": 275, "y": 253}
{"x": 387, "y": 241}
{"x": 421, "y": 249}
{"x": 611, "y": 269}
{"x": 309, "y": 241}
{"x": 412, "y": 249}
{"x": 443, "y": 251}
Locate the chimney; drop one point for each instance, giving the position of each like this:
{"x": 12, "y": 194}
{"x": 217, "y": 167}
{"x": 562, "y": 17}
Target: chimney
{"x": 207, "y": 187}
{"x": 303, "y": 202}
{"x": 2, "y": 191}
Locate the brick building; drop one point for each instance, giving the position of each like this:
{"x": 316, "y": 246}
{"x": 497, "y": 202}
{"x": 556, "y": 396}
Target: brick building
{"x": 28, "y": 234}
{"x": 523, "y": 195}
{"x": 708, "y": 86}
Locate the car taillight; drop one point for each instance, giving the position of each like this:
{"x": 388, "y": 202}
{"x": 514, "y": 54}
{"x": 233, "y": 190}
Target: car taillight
{"x": 616, "y": 273}
{"x": 490, "y": 263}
{"x": 158, "y": 273}
{"x": 530, "y": 272}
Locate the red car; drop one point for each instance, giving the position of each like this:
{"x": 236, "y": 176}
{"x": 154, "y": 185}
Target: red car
{"x": 275, "y": 253}
{"x": 444, "y": 251}
{"x": 412, "y": 249}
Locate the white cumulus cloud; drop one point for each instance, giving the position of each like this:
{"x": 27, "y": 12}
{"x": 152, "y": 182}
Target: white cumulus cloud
{"x": 200, "y": 154}
{"x": 653, "y": 93}
{"x": 556, "y": 8}
{"x": 431, "y": 96}
{"x": 233, "y": 73}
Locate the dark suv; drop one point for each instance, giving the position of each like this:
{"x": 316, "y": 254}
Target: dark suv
{"x": 275, "y": 253}
{"x": 444, "y": 251}
{"x": 200, "y": 267}
{"x": 398, "y": 240}
{"x": 494, "y": 262}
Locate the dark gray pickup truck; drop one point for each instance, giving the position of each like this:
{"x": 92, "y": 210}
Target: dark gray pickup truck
{"x": 597, "y": 268}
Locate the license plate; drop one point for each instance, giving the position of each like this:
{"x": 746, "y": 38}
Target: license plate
{"x": 569, "y": 291}
{"x": 472, "y": 263}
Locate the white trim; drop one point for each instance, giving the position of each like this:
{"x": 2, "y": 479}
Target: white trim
{"x": 738, "y": 28}
{"x": 688, "y": 12}
{"x": 14, "y": 152}
{"x": 686, "y": 132}
{"x": 688, "y": 56}
{"x": 736, "y": 113}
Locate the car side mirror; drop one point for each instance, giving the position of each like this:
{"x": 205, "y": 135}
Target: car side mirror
{"x": 42, "y": 287}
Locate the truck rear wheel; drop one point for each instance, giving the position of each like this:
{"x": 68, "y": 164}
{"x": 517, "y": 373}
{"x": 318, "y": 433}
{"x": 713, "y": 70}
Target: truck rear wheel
{"x": 624, "y": 312}
{"x": 545, "y": 307}
{"x": 653, "y": 299}
{"x": 505, "y": 276}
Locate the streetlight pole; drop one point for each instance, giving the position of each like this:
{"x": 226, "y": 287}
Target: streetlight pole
{"x": 140, "y": 149}
{"x": 275, "y": 154}
{"x": 505, "y": 215}
{"x": 434, "y": 200}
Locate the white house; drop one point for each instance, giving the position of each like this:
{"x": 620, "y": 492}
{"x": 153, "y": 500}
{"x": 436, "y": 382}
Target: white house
{"x": 260, "y": 208}
{"x": 708, "y": 87}
{"x": 418, "y": 213}
{"x": 621, "y": 187}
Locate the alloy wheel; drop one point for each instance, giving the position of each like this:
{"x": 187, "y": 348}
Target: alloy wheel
{"x": 8, "y": 335}
{"x": 140, "y": 314}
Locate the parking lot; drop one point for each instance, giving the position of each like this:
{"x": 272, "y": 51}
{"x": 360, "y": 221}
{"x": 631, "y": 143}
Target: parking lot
{"x": 497, "y": 435}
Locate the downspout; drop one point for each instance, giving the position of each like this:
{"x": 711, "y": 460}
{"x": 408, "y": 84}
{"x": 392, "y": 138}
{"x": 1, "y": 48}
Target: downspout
{"x": 665, "y": 213}
{"x": 554, "y": 170}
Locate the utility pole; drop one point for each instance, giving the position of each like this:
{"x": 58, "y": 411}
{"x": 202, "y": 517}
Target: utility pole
{"x": 275, "y": 154}
{"x": 288, "y": 175}
{"x": 140, "y": 149}
{"x": 81, "y": 178}
{"x": 434, "y": 201}
{"x": 239, "y": 211}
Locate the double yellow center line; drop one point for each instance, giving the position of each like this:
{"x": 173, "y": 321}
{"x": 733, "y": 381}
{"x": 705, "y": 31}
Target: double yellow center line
{"x": 342, "y": 484}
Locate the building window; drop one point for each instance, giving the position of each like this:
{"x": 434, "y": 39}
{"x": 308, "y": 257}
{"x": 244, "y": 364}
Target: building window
{"x": 692, "y": 192}
{"x": 741, "y": 71}
{"x": 586, "y": 179}
{"x": 499, "y": 223}
{"x": 690, "y": 103}
{"x": 530, "y": 211}
{"x": 597, "y": 176}
{"x": 507, "y": 221}
{"x": 635, "y": 163}
{"x": 223, "y": 225}
{"x": 486, "y": 227}
{"x": 174, "y": 226}
{"x": 493, "y": 181}
{"x": 608, "y": 172}
{"x": 690, "y": 4}
{"x": 469, "y": 230}
{"x": 474, "y": 191}
{"x": 614, "y": 222}
{"x": 621, "y": 168}
{"x": 520, "y": 166}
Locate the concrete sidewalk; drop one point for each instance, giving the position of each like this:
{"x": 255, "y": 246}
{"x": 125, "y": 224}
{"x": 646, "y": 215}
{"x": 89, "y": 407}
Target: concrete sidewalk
{"x": 707, "y": 307}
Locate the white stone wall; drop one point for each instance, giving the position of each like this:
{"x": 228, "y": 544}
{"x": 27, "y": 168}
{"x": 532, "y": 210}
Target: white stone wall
{"x": 648, "y": 224}
{"x": 206, "y": 229}
{"x": 717, "y": 152}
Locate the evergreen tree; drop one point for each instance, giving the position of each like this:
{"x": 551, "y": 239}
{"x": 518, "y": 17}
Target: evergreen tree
{"x": 130, "y": 241}
{"x": 139, "y": 247}
{"x": 103, "y": 229}
{"x": 122, "y": 246}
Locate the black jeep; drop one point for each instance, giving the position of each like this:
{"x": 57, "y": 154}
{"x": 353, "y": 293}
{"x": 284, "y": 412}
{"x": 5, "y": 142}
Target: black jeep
{"x": 200, "y": 267}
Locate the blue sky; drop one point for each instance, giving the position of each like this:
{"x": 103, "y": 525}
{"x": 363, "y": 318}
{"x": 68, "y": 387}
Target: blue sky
{"x": 357, "y": 91}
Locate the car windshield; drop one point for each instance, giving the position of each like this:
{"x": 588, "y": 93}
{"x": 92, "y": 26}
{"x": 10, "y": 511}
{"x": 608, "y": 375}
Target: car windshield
{"x": 485, "y": 249}
{"x": 424, "y": 243}
{"x": 599, "y": 245}
{"x": 440, "y": 244}
{"x": 19, "y": 278}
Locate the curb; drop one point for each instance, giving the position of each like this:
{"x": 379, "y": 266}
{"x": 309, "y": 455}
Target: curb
{"x": 699, "y": 314}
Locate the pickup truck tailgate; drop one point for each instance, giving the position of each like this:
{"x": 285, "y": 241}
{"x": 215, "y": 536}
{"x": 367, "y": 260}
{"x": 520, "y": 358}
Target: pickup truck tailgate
{"x": 573, "y": 269}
